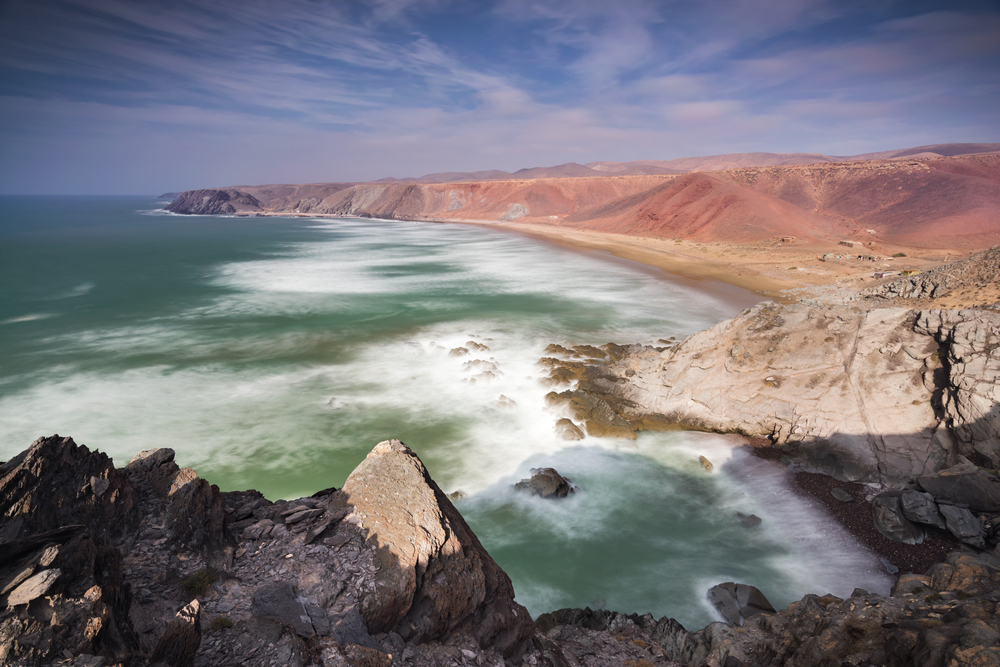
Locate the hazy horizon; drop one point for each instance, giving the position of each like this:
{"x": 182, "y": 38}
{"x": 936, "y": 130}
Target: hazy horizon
{"x": 114, "y": 97}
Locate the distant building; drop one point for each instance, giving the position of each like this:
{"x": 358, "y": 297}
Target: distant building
{"x": 909, "y": 272}
{"x": 786, "y": 239}
{"x": 849, "y": 244}
{"x": 886, "y": 274}
{"x": 871, "y": 231}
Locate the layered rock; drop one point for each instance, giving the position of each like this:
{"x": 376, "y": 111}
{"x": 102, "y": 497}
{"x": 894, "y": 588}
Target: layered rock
{"x": 884, "y": 396}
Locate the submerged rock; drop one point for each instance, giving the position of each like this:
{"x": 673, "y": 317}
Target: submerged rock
{"x": 546, "y": 483}
{"x": 568, "y": 430}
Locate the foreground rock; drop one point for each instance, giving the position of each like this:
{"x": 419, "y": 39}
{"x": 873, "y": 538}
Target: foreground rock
{"x": 105, "y": 565}
{"x": 946, "y": 617}
{"x": 433, "y": 578}
{"x": 884, "y": 396}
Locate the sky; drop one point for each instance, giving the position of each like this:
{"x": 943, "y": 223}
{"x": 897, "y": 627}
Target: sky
{"x": 145, "y": 97}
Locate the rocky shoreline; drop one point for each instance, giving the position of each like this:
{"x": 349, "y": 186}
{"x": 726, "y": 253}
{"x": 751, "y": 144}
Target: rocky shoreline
{"x": 898, "y": 409}
{"x": 149, "y": 564}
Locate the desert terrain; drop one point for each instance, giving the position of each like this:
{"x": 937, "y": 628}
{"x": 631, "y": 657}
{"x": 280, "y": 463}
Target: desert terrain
{"x": 785, "y": 226}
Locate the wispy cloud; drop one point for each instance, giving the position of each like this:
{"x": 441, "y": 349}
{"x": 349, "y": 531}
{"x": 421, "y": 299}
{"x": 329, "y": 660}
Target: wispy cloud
{"x": 250, "y": 91}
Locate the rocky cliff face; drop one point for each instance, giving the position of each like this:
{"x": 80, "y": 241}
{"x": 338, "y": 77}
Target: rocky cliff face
{"x": 882, "y": 396}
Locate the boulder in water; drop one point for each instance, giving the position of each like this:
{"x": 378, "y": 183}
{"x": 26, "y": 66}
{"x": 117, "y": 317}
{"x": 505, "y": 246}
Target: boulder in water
{"x": 546, "y": 483}
{"x": 738, "y": 602}
{"x": 568, "y": 430}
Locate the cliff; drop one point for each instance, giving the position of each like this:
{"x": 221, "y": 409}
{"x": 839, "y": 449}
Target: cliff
{"x": 923, "y": 201}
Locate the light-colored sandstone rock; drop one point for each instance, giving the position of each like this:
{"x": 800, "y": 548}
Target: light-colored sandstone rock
{"x": 434, "y": 578}
{"x": 842, "y": 391}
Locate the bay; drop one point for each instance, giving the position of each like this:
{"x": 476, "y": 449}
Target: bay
{"x": 275, "y": 353}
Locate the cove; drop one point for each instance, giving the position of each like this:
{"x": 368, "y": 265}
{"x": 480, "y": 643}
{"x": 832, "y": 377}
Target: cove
{"x": 274, "y": 353}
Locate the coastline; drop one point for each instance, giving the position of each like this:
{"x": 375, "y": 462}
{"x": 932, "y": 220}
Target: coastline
{"x": 677, "y": 258}
{"x": 663, "y": 254}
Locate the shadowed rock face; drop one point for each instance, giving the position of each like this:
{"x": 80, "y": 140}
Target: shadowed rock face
{"x": 434, "y": 577}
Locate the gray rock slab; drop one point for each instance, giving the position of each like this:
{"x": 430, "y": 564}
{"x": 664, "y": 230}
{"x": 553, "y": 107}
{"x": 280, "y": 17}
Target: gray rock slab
{"x": 979, "y": 490}
{"x": 277, "y": 602}
{"x": 921, "y": 508}
{"x": 964, "y": 525}
{"x": 887, "y": 513}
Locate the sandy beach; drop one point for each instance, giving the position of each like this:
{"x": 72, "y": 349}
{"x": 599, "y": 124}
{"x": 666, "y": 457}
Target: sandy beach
{"x": 784, "y": 271}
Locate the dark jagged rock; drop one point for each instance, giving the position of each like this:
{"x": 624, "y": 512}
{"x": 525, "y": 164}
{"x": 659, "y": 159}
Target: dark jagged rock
{"x": 921, "y": 508}
{"x": 546, "y": 483}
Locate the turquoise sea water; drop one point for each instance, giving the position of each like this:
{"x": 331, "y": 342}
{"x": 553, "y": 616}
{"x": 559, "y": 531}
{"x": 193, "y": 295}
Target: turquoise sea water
{"x": 274, "y": 353}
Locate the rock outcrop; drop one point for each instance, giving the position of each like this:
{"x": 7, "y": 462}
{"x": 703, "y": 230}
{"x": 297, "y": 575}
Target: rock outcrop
{"x": 221, "y": 201}
{"x": 150, "y": 563}
{"x": 885, "y": 395}
{"x": 433, "y": 579}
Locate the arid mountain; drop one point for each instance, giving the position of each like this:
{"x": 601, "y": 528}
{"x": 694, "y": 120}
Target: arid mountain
{"x": 704, "y": 163}
{"x": 916, "y": 201}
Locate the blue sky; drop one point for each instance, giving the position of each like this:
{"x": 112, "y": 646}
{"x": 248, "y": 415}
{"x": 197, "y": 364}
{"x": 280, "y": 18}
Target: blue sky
{"x": 136, "y": 96}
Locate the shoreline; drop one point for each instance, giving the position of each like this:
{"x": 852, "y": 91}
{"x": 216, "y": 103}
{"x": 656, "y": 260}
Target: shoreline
{"x": 785, "y": 272}
{"x": 656, "y": 253}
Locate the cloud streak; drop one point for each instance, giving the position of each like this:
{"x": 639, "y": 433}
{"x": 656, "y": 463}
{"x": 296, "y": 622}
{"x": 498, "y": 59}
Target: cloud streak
{"x": 254, "y": 92}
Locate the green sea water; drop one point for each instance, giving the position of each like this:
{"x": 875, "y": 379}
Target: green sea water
{"x": 275, "y": 353}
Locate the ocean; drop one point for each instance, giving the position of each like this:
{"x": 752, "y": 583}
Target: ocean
{"x": 274, "y": 353}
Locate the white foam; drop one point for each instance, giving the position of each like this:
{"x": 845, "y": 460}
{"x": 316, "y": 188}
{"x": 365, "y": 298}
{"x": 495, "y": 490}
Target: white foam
{"x": 28, "y": 318}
